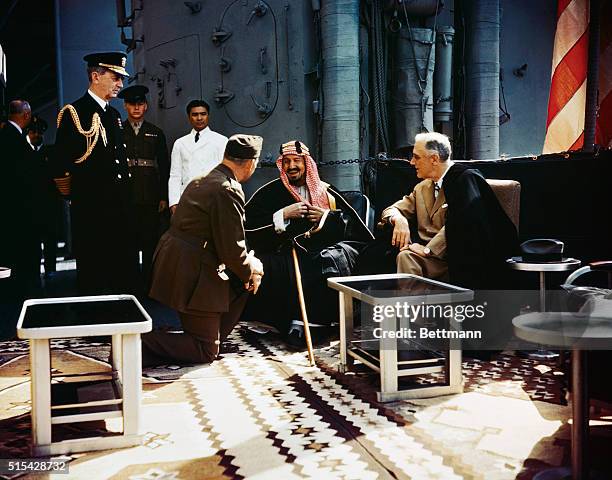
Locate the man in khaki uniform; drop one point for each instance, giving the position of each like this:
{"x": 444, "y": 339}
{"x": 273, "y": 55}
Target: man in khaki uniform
{"x": 201, "y": 267}
{"x": 424, "y": 252}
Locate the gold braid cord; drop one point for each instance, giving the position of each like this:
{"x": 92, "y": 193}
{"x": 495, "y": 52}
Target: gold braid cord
{"x": 92, "y": 135}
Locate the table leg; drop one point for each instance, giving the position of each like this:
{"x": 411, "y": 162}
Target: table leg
{"x": 116, "y": 354}
{"x": 40, "y": 369}
{"x": 388, "y": 357}
{"x": 542, "y": 291}
{"x": 580, "y": 415}
{"x": 541, "y": 353}
{"x": 132, "y": 377}
{"x": 346, "y": 331}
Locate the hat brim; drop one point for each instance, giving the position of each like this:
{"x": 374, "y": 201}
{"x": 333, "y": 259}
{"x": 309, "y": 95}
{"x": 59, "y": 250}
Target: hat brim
{"x": 115, "y": 68}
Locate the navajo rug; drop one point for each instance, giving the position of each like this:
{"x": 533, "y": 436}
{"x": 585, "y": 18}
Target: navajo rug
{"x": 260, "y": 412}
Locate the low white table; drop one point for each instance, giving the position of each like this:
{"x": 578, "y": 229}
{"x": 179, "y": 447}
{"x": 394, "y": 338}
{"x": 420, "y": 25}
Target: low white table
{"x": 120, "y": 316}
{"x": 388, "y": 289}
{"x": 578, "y": 332}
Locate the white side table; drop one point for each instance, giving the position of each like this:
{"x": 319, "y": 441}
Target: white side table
{"x": 120, "y": 316}
{"x": 389, "y": 289}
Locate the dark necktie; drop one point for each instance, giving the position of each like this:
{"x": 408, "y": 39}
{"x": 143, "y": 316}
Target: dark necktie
{"x": 197, "y": 137}
{"x": 436, "y": 190}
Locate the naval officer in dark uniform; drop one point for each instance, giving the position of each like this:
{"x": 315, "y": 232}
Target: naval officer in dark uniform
{"x": 201, "y": 267}
{"x": 91, "y": 166}
{"x": 147, "y": 155}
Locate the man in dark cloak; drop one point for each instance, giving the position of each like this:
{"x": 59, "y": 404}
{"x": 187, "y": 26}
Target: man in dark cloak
{"x": 451, "y": 227}
{"x": 300, "y": 211}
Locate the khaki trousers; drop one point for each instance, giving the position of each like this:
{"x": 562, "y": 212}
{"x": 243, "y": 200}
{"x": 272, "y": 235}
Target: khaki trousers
{"x": 428, "y": 267}
{"x": 199, "y": 342}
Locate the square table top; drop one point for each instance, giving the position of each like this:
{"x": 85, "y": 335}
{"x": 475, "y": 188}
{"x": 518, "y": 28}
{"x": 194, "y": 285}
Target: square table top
{"x": 82, "y": 317}
{"x": 403, "y": 287}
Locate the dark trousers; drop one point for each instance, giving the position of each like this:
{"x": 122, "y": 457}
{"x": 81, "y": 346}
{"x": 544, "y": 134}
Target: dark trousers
{"x": 147, "y": 227}
{"x": 202, "y": 335}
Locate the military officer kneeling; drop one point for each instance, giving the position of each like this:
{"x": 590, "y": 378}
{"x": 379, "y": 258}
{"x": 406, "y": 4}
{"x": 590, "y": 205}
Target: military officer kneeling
{"x": 201, "y": 266}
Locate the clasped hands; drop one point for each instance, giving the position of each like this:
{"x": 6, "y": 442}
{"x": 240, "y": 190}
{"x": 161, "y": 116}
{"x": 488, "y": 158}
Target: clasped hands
{"x": 303, "y": 210}
{"x": 401, "y": 236}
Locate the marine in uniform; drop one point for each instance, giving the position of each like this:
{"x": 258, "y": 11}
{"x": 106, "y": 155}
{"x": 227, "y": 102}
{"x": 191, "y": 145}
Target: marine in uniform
{"x": 147, "y": 155}
{"x": 91, "y": 166}
{"x": 201, "y": 267}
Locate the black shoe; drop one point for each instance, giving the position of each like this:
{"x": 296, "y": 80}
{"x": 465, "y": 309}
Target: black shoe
{"x": 295, "y": 338}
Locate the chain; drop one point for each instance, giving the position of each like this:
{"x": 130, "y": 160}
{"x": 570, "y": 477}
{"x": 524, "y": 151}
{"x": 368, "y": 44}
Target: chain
{"x": 381, "y": 157}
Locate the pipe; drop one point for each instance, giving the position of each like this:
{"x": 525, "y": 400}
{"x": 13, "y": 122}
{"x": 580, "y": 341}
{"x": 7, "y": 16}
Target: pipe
{"x": 416, "y": 8}
{"x": 121, "y": 17}
{"x": 482, "y": 79}
{"x": 413, "y": 91}
{"x": 340, "y": 47}
{"x": 590, "y": 113}
{"x": 442, "y": 87}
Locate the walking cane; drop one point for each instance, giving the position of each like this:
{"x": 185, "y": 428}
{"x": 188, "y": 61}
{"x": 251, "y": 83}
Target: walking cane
{"x": 298, "y": 281}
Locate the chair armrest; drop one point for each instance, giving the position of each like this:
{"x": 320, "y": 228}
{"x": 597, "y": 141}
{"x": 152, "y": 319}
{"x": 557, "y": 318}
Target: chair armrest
{"x": 601, "y": 266}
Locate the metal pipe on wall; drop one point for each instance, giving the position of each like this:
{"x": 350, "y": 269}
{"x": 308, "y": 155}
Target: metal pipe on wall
{"x": 340, "y": 43}
{"x": 483, "y": 26}
{"x": 590, "y": 114}
{"x": 413, "y": 85}
{"x": 442, "y": 87}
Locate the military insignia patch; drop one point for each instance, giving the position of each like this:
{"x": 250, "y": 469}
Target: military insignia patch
{"x": 150, "y": 134}
{"x": 123, "y": 61}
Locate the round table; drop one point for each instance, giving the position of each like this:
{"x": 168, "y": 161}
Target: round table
{"x": 578, "y": 332}
{"x": 5, "y": 272}
{"x": 563, "y": 265}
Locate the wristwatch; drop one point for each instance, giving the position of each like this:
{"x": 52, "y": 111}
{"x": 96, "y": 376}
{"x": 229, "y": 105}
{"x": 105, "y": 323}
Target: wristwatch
{"x": 427, "y": 251}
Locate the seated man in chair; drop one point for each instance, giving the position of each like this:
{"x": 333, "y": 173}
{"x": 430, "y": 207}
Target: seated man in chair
{"x": 298, "y": 210}
{"x": 451, "y": 227}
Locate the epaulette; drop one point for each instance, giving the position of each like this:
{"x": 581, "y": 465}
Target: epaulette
{"x": 91, "y": 135}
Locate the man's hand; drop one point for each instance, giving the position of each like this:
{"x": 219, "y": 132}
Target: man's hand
{"x": 162, "y": 206}
{"x": 315, "y": 213}
{"x": 172, "y": 209}
{"x": 295, "y": 210}
{"x": 401, "y": 232}
{"x": 416, "y": 248}
{"x": 254, "y": 283}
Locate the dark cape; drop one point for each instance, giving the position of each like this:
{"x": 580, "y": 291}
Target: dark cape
{"x": 332, "y": 251}
{"x": 479, "y": 234}
{"x": 101, "y": 201}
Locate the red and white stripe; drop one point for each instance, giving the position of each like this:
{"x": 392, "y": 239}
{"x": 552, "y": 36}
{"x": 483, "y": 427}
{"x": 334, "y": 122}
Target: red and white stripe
{"x": 604, "y": 119}
{"x": 566, "y": 103}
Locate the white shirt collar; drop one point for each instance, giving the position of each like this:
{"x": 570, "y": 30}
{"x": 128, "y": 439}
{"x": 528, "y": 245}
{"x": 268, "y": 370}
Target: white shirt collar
{"x": 202, "y": 132}
{"x": 136, "y": 124}
{"x": 99, "y": 101}
{"x": 449, "y": 163}
{"x": 34, "y": 147}
{"x": 16, "y": 126}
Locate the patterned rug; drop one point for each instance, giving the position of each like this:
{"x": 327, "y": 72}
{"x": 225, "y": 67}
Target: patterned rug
{"x": 260, "y": 412}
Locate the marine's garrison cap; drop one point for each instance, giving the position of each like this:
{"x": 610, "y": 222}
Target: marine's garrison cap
{"x": 113, "y": 61}
{"x": 244, "y": 146}
{"x": 134, "y": 94}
